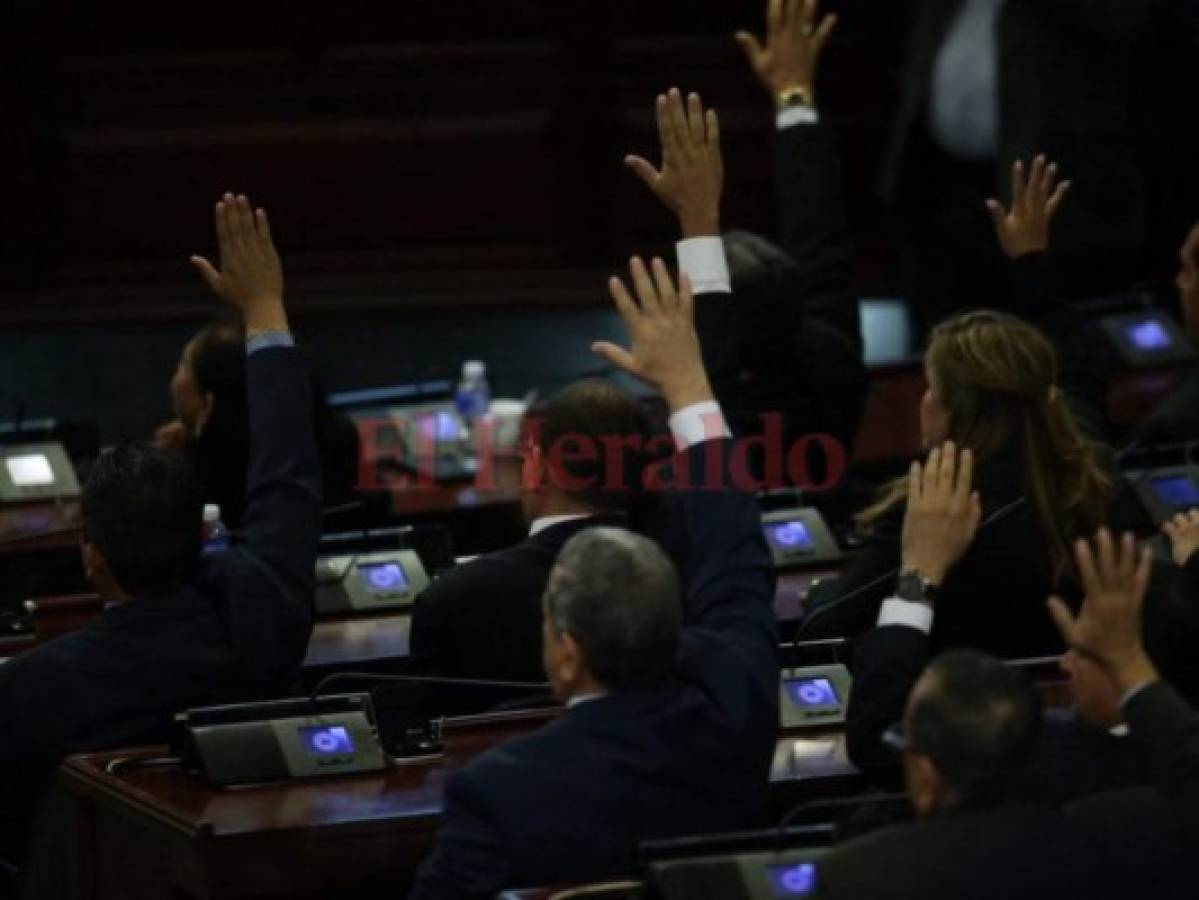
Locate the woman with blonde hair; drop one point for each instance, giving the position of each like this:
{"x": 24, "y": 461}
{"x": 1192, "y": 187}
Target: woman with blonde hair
{"x": 993, "y": 387}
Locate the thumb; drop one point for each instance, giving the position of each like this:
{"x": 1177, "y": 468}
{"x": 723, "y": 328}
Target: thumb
{"x": 749, "y": 46}
{"x": 618, "y": 357}
{"x": 1064, "y": 620}
{"x": 210, "y": 275}
{"x": 998, "y": 213}
{"x": 642, "y": 169}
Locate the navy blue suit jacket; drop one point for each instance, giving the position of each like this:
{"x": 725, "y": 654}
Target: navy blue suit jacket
{"x": 571, "y": 802}
{"x": 237, "y": 630}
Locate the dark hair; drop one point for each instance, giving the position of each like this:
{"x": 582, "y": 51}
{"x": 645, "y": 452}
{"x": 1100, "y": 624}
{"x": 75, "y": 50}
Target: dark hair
{"x": 617, "y": 594}
{"x": 1170, "y": 627}
{"x": 142, "y": 509}
{"x": 601, "y": 416}
{"x": 979, "y": 722}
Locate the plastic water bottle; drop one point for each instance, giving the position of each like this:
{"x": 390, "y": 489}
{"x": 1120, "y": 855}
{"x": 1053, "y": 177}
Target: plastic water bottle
{"x": 216, "y": 535}
{"x": 474, "y": 393}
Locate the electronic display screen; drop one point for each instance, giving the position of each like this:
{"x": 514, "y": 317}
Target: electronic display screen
{"x": 1149, "y": 335}
{"x": 811, "y": 692}
{"x": 326, "y": 740}
{"x": 795, "y": 880}
{"x": 789, "y": 535}
{"x": 30, "y": 470}
{"x": 384, "y": 578}
{"x": 438, "y": 427}
{"x": 1177, "y": 490}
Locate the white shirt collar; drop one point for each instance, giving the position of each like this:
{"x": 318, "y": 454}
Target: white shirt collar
{"x": 545, "y": 522}
{"x": 1120, "y": 730}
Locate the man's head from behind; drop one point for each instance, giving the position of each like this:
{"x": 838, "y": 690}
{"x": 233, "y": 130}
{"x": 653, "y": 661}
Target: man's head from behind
{"x": 611, "y": 614}
{"x": 584, "y": 450}
{"x": 142, "y": 520}
{"x": 972, "y": 726}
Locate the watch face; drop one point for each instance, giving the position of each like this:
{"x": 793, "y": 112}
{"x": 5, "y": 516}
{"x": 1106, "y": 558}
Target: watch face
{"x": 911, "y": 587}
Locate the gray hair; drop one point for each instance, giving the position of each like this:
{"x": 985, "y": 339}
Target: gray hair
{"x": 617, "y": 594}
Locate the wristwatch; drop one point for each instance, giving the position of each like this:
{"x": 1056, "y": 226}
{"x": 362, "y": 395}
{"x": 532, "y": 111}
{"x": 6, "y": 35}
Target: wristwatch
{"x": 797, "y": 95}
{"x": 913, "y": 587}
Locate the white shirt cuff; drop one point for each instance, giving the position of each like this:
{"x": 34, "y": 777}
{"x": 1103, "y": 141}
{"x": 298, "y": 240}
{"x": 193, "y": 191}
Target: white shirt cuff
{"x": 796, "y": 115}
{"x": 702, "y": 259}
{"x": 907, "y": 614}
{"x": 697, "y": 423}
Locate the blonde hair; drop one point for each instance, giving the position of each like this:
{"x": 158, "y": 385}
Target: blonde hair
{"x": 995, "y": 375}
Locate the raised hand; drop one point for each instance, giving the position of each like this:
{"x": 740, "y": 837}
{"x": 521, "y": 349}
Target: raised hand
{"x": 793, "y": 45}
{"x": 1108, "y": 628}
{"x": 1035, "y": 200}
{"x": 1183, "y": 532}
{"x": 1188, "y": 282}
{"x": 665, "y": 349}
{"x": 942, "y": 513}
{"x": 174, "y": 435}
{"x": 691, "y": 178}
{"x": 250, "y": 276}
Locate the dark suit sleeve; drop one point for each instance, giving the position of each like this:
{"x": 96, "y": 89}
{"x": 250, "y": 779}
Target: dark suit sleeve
{"x": 1166, "y": 731}
{"x": 888, "y": 662}
{"x": 717, "y": 322}
{"x": 430, "y": 624}
{"x": 823, "y": 316}
{"x": 730, "y": 581}
{"x": 471, "y": 858}
{"x": 282, "y": 523}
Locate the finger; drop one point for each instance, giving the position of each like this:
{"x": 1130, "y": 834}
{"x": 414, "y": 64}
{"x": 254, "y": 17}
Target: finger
{"x": 665, "y": 136}
{"x": 965, "y": 473}
{"x": 624, "y": 301}
{"x": 1189, "y": 254}
{"x": 976, "y": 512}
{"x": 713, "y": 128}
{"x": 695, "y": 120}
{"x": 774, "y": 16}
{"x": 1036, "y": 177}
{"x": 1058, "y": 196}
{"x": 263, "y": 226}
{"x": 1140, "y": 579}
{"x": 827, "y": 24}
{"x": 749, "y": 46}
{"x": 676, "y": 114}
{"x": 1047, "y": 182}
{"x": 617, "y": 356}
{"x": 1107, "y": 554}
{"x": 208, "y": 272}
{"x": 808, "y": 15}
{"x": 1193, "y": 515}
{"x": 1066, "y": 624}
{"x": 644, "y": 286}
{"x": 945, "y": 482}
{"x": 1126, "y": 564}
{"x": 1085, "y": 558}
{"x": 915, "y": 482}
{"x": 643, "y": 169}
{"x": 931, "y": 468}
{"x": 245, "y": 219}
{"x": 666, "y": 292}
{"x": 997, "y": 211}
{"x": 221, "y": 216}
{"x": 1018, "y": 185}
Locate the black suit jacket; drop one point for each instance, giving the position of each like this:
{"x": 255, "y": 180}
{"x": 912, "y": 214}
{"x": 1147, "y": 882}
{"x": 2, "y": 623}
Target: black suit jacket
{"x": 1066, "y": 90}
{"x": 1075, "y": 758}
{"x": 237, "y": 630}
{"x": 993, "y": 599}
{"x": 795, "y": 348}
{"x": 571, "y": 802}
{"x": 482, "y": 619}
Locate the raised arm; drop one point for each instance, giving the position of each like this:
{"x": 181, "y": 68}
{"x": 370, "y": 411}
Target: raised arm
{"x": 942, "y": 518}
{"x": 729, "y": 582}
{"x": 1108, "y": 630}
{"x": 281, "y": 526}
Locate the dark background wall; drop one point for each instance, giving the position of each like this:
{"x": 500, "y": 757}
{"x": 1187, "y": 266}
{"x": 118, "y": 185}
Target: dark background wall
{"x": 444, "y": 179}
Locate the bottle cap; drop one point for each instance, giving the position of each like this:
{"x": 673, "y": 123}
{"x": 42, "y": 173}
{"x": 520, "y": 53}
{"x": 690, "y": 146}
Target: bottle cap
{"x": 474, "y": 368}
{"x": 212, "y": 513}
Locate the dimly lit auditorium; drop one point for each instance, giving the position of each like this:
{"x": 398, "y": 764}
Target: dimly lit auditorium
{"x": 554, "y": 449}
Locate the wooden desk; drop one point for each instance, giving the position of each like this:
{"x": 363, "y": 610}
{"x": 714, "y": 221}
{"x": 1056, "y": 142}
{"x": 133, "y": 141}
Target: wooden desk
{"x": 39, "y": 526}
{"x": 165, "y": 833}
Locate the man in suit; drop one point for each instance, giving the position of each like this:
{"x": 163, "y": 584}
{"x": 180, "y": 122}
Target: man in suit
{"x": 182, "y": 629}
{"x": 671, "y": 707}
{"x": 582, "y": 467}
{"x": 989, "y": 82}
